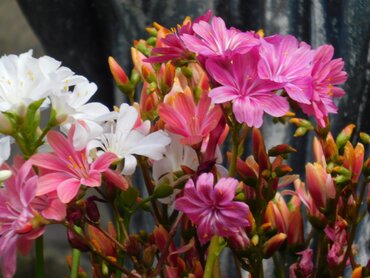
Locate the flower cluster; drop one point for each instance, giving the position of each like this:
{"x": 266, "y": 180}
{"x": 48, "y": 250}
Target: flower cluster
{"x": 194, "y": 92}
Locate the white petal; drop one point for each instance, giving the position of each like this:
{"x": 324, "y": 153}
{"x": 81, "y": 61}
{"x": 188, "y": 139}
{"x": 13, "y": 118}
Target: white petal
{"x": 130, "y": 165}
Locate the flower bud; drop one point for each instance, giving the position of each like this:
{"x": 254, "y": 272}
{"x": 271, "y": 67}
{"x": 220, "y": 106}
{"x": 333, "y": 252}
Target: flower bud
{"x": 320, "y": 184}
{"x": 76, "y": 242}
{"x": 240, "y": 240}
{"x": 318, "y": 151}
{"x": 92, "y": 210}
{"x": 330, "y": 147}
{"x": 302, "y": 123}
{"x": 273, "y": 244}
{"x": 132, "y": 245}
{"x": 6, "y": 126}
{"x": 357, "y": 272}
{"x": 282, "y": 170}
{"x": 4, "y": 175}
{"x": 149, "y": 255}
{"x": 365, "y": 138}
{"x": 118, "y": 73}
{"x": 259, "y": 150}
{"x": 300, "y": 132}
{"x": 163, "y": 190}
{"x": 345, "y": 135}
{"x": 281, "y": 150}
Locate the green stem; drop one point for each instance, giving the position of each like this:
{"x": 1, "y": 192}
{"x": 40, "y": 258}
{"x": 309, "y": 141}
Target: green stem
{"x": 76, "y": 254}
{"x": 214, "y": 251}
{"x": 75, "y": 262}
{"x": 39, "y": 246}
{"x": 234, "y": 150}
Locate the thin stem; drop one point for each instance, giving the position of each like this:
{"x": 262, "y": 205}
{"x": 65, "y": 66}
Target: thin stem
{"x": 75, "y": 262}
{"x": 39, "y": 246}
{"x": 319, "y": 253}
{"x": 76, "y": 254}
{"x": 150, "y": 187}
{"x": 234, "y": 150}
{"x": 214, "y": 251}
{"x": 171, "y": 234}
{"x": 97, "y": 253}
{"x": 352, "y": 233}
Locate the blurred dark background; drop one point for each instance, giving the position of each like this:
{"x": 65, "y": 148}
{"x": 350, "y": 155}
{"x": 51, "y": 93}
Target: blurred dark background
{"x": 82, "y": 34}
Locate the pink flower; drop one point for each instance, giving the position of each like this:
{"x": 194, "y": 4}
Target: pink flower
{"x": 305, "y": 265}
{"x": 338, "y": 235}
{"x": 250, "y": 95}
{"x": 70, "y": 168}
{"x": 212, "y": 207}
{"x": 215, "y": 40}
{"x": 174, "y": 47}
{"x": 184, "y": 117}
{"x": 284, "y": 60}
{"x": 16, "y": 214}
{"x": 326, "y": 73}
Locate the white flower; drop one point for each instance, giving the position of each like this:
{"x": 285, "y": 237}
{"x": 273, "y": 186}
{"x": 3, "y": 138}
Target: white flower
{"x": 71, "y": 107}
{"x": 25, "y": 79}
{"x": 125, "y": 140}
{"x": 4, "y": 148}
{"x": 176, "y": 155}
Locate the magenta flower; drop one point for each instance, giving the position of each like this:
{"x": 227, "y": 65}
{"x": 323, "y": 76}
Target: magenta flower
{"x": 284, "y": 60}
{"x": 250, "y": 95}
{"x": 192, "y": 121}
{"x": 173, "y": 46}
{"x": 215, "y": 40}
{"x": 326, "y": 73}
{"x": 16, "y": 214}
{"x": 70, "y": 168}
{"x": 212, "y": 207}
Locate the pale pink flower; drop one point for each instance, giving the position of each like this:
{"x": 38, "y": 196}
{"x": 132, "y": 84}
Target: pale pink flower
{"x": 326, "y": 73}
{"x": 284, "y": 60}
{"x": 70, "y": 168}
{"x": 250, "y": 95}
{"x": 192, "y": 121}
{"x": 215, "y": 40}
{"x": 212, "y": 207}
{"x": 16, "y": 214}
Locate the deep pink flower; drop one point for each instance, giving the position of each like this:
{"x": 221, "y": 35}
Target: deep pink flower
{"x": 284, "y": 60}
{"x": 250, "y": 95}
{"x": 174, "y": 47}
{"x": 214, "y": 39}
{"x": 16, "y": 214}
{"x": 70, "y": 168}
{"x": 192, "y": 121}
{"x": 212, "y": 207}
{"x": 326, "y": 73}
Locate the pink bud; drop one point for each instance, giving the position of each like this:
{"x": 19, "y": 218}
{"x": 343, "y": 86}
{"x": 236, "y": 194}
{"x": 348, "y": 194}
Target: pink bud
{"x": 118, "y": 73}
{"x": 273, "y": 244}
{"x": 320, "y": 184}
